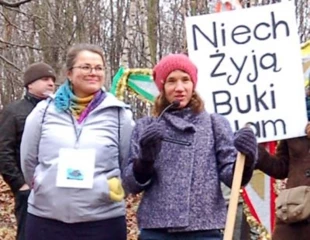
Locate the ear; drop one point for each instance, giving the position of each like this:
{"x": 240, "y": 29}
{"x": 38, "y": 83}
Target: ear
{"x": 29, "y": 86}
{"x": 69, "y": 75}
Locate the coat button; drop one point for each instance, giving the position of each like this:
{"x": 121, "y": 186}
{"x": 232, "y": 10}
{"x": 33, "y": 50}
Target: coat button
{"x": 308, "y": 173}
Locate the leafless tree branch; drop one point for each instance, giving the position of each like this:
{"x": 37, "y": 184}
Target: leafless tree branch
{"x": 12, "y": 24}
{"x": 20, "y": 45}
{"x": 15, "y": 5}
{"x": 10, "y": 63}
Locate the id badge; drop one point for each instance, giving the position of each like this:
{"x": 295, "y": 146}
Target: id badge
{"x": 76, "y": 168}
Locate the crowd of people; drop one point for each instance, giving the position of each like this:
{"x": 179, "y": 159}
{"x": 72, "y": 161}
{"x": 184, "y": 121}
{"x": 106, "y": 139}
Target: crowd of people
{"x": 72, "y": 156}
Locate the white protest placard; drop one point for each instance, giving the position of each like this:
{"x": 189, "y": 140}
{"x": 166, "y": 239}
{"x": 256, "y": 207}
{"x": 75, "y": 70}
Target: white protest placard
{"x": 250, "y": 68}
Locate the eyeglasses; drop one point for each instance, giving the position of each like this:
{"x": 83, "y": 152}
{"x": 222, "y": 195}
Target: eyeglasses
{"x": 88, "y": 69}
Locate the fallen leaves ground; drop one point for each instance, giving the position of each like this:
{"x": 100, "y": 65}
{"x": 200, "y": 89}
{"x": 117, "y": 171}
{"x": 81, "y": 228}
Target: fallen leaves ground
{"x": 8, "y": 223}
{"x": 7, "y": 219}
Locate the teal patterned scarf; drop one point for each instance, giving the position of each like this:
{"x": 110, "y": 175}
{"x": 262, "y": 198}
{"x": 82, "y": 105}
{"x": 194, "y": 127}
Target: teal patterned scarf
{"x": 65, "y": 100}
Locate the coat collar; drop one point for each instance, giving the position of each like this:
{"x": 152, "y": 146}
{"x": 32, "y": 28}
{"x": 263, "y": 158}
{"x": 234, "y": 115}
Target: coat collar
{"x": 32, "y": 98}
{"x": 184, "y": 119}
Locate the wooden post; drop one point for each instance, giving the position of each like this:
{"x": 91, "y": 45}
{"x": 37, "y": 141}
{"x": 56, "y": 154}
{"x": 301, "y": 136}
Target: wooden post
{"x": 234, "y": 197}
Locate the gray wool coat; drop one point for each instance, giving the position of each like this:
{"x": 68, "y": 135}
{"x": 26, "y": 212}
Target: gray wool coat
{"x": 185, "y": 194}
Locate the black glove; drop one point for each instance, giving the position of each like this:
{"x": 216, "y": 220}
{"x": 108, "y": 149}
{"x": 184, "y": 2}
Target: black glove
{"x": 150, "y": 141}
{"x": 150, "y": 144}
{"x": 245, "y": 142}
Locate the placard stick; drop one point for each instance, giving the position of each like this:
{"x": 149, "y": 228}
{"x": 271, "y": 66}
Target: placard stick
{"x": 234, "y": 197}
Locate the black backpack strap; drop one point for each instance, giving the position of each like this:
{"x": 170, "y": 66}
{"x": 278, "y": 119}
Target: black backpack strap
{"x": 44, "y": 114}
{"x": 45, "y": 110}
{"x": 119, "y": 137}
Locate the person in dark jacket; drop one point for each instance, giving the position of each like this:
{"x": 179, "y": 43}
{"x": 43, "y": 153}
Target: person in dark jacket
{"x": 39, "y": 81}
{"x": 290, "y": 162}
{"x": 179, "y": 156}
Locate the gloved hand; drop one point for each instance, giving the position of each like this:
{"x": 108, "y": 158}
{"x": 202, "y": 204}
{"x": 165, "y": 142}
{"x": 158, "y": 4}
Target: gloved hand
{"x": 245, "y": 142}
{"x": 117, "y": 193}
{"x": 150, "y": 144}
{"x": 150, "y": 141}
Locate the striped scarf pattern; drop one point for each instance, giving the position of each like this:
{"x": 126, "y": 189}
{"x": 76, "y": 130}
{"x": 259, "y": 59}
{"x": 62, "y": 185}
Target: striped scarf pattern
{"x": 65, "y": 100}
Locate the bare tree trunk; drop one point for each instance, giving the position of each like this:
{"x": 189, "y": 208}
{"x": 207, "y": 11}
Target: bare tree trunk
{"x": 153, "y": 6}
{"x": 120, "y": 29}
{"x": 160, "y": 37}
{"x": 184, "y": 11}
{"x": 146, "y": 46}
{"x": 129, "y": 34}
{"x": 193, "y": 5}
{"x": 113, "y": 48}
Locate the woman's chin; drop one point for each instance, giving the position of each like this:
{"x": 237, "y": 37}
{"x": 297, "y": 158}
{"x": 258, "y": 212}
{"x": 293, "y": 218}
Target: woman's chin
{"x": 92, "y": 89}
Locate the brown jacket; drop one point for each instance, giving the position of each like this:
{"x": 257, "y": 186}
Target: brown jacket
{"x": 291, "y": 161}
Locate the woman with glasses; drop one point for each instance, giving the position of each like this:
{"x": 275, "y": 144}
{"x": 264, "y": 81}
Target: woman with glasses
{"x": 71, "y": 155}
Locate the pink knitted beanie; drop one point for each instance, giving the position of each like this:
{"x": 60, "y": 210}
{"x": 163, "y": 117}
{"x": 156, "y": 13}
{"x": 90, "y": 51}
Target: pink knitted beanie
{"x": 171, "y": 63}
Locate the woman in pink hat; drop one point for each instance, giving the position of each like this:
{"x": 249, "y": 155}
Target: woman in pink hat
{"x": 179, "y": 156}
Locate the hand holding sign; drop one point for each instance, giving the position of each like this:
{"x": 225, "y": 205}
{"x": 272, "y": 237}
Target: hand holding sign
{"x": 245, "y": 142}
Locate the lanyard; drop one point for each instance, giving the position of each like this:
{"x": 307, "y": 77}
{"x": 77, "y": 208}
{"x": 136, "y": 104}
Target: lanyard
{"x": 77, "y": 129}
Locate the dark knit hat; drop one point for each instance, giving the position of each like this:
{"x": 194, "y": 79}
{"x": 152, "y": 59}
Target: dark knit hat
{"x": 37, "y": 71}
{"x": 171, "y": 63}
